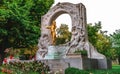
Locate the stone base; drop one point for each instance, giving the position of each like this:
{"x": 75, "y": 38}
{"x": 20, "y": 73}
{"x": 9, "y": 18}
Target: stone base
{"x": 77, "y": 62}
{"x": 55, "y": 52}
{"x": 104, "y": 63}
{"x": 57, "y": 66}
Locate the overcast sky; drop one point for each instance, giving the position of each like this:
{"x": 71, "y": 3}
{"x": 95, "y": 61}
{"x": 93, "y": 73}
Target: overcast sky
{"x": 106, "y": 11}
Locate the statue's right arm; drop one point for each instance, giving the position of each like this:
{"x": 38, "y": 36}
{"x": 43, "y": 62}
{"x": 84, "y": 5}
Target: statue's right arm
{"x": 48, "y": 27}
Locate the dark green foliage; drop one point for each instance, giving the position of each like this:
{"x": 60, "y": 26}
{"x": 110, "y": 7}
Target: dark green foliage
{"x": 72, "y": 70}
{"x": 115, "y": 70}
{"x": 60, "y": 40}
{"x": 20, "y": 22}
{"x": 39, "y": 8}
{"x": 82, "y": 52}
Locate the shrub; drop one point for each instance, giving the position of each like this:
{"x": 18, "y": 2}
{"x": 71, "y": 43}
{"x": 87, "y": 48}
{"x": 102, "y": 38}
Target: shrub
{"x": 72, "y": 70}
{"x": 82, "y": 52}
{"x": 26, "y": 67}
{"x": 115, "y": 70}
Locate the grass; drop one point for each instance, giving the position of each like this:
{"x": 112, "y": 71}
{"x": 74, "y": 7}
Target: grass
{"x": 116, "y": 67}
{"x": 115, "y": 70}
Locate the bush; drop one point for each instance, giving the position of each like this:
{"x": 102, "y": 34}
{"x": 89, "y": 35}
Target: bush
{"x": 36, "y": 67}
{"x": 72, "y": 70}
{"x": 82, "y": 52}
{"x": 115, "y": 70}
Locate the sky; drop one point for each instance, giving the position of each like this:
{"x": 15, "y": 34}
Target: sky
{"x": 106, "y": 11}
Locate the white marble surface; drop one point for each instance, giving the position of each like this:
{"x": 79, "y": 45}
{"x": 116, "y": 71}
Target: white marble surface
{"x": 79, "y": 38}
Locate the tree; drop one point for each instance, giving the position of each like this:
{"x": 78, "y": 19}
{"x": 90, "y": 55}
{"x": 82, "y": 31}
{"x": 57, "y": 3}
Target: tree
{"x": 99, "y": 38}
{"x": 63, "y": 34}
{"x": 92, "y": 32}
{"x": 115, "y": 38}
{"x": 103, "y": 44}
{"x": 19, "y": 22}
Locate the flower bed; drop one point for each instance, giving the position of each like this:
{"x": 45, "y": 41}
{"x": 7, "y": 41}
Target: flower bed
{"x": 21, "y": 67}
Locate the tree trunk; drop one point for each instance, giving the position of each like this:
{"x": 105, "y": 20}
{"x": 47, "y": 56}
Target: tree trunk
{"x": 3, "y": 45}
{"x": 1, "y": 59}
{"x": 2, "y": 55}
{"x": 119, "y": 60}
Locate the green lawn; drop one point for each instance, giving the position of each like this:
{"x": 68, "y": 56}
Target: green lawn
{"x": 115, "y": 70}
{"x": 116, "y": 67}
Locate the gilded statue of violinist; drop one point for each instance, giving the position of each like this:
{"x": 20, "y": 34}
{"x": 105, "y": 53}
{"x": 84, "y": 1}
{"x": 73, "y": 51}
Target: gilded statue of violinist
{"x": 52, "y": 28}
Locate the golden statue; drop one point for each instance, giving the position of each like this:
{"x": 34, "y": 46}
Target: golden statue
{"x": 52, "y": 27}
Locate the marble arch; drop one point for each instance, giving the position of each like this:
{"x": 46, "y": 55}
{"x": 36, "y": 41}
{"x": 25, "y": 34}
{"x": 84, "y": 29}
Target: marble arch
{"x": 79, "y": 38}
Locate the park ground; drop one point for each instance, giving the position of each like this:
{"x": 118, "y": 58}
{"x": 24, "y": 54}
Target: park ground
{"x": 115, "y": 70}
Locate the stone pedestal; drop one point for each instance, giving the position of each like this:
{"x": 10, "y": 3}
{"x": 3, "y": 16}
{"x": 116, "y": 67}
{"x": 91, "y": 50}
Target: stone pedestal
{"x": 79, "y": 40}
{"x": 61, "y": 64}
{"x": 52, "y": 53}
{"x": 104, "y": 64}
{"x": 81, "y": 63}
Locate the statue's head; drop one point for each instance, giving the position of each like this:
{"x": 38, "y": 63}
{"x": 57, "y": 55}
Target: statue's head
{"x": 54, "y": 23}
